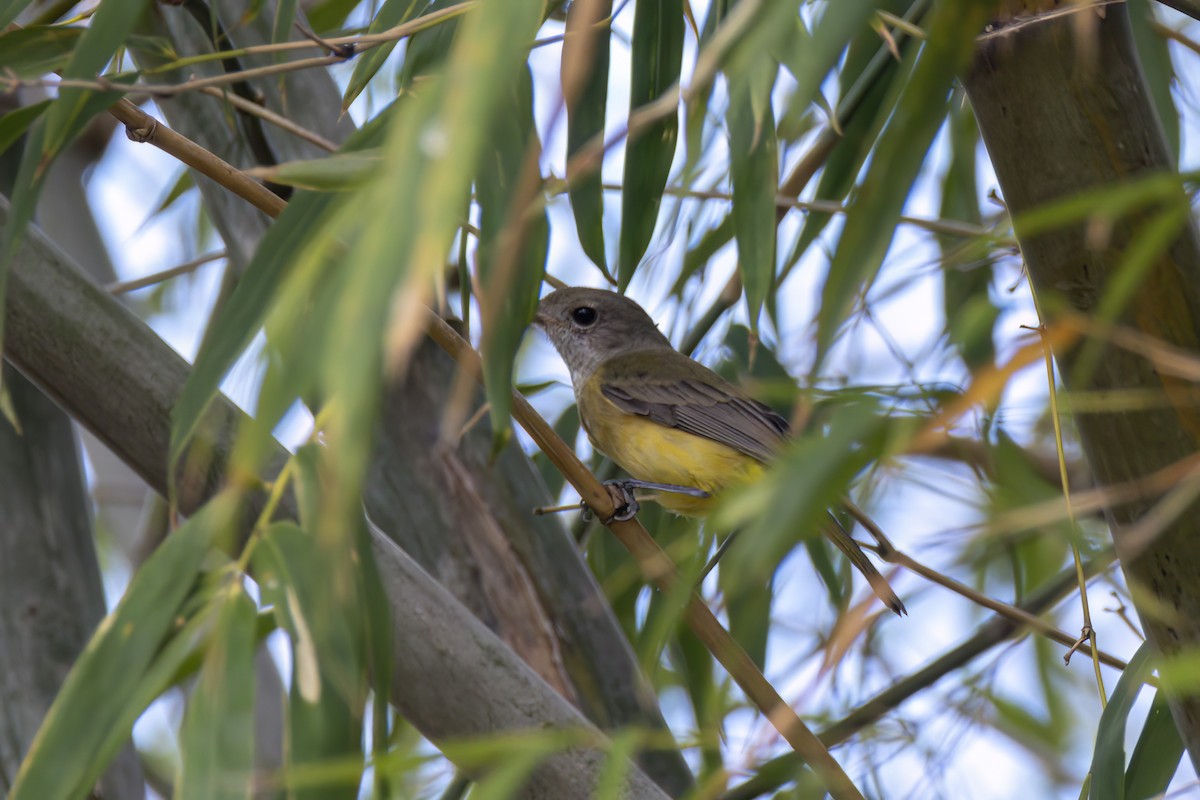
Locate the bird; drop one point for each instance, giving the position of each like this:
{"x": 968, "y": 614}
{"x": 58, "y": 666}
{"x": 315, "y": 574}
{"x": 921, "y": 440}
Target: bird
{"x": 670, "y": 422}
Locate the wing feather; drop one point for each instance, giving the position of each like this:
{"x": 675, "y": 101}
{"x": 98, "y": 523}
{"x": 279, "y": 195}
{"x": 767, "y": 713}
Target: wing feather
{"x": 712, "y": 409}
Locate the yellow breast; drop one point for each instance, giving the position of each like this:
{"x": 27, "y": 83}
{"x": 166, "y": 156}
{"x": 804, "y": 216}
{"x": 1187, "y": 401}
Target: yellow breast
{"x": 649, "y": 451}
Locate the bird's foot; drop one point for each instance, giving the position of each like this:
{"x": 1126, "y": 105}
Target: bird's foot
{"x": 625, "y": 503}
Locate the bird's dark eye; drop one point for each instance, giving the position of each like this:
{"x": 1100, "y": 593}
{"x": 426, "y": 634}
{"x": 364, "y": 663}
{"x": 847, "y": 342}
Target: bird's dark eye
{"x": 584, "y": 316}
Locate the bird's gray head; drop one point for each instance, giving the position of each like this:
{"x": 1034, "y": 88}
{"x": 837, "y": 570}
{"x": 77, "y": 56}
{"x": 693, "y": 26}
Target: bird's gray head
{"x": 589, "y": 326}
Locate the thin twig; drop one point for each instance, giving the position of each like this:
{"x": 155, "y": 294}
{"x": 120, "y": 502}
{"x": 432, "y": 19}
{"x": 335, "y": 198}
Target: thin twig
{"x": 276, "y": 119}
{"x": 360, "y": 42}
{"x": 1088, "y": 631}
{"x": 141, "y": 127}
{"x": 783, "y": 201}
{"x": 121, "y": 287}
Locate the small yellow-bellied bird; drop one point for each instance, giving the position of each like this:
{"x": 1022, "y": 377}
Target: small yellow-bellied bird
{"x": 669, "y": 421}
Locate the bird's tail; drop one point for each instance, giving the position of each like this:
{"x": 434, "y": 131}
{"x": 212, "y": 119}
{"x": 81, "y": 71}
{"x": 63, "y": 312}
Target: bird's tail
{"x": 883, "y": 590}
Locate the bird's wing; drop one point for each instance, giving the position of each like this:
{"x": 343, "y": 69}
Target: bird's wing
{"x": 714, "y": 410}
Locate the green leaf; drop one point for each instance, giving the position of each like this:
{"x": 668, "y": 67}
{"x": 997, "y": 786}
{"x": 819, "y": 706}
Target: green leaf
{"x": 861, "y": 122}
{"x": 789, "y": 502}
{"x": 217, "y": 739}
{"x": 390, "y": 14}
{"x": 107, "y": 30}
{"x": 1108, "y": 758}
{"x": 1155, "y": 58}
{"x": 282, "y": 24}
{"x": 330, "y": 14}
{"x": 657, "y": 46}
{"x": 339, "y": 172}
{"x": 10, "y": 10}
{"x": 754, "y": 167}
{"x": 306, "y": 583}
{"x": 567, "y": 428}
{"x": 99, "y": 696}
{"x": 427, "y": 50}
{"x": 966, "y": 270}
{"x": 1156, "y": 755}
{"x": 513, "y": 242}
{"x": 897, "y": 161}
{"x": 409, "y": 219}
{"x": 37, "y": 50}
{"x": 585, "y": 56}
{"x": 810, "y": 57}
{"x": 698, "y": 256}
{"x": 748, "y": 606}
{"x": 303, "y": 221}
{"x": 14, "y": 124}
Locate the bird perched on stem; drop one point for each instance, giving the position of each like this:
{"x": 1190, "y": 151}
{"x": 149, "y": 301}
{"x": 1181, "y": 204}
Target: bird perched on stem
{"x": 672, "y": 423}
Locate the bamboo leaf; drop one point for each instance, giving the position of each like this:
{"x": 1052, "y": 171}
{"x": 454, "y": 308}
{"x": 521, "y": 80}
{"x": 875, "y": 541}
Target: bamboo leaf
{"x": 37, "y": 50}
{"x": 1108, "y": 759}
{"x": 102, "y": 687}
{"x": 217, "y": 739}
{"x": 754, "y": 167}
{"x": 657, "y": 57}
{"x": 340, "y": 172}
{"x": 871, "y": 220}
{"x": 14, "y": 124}
{"x": 1156, "y": 755}
{"x": 513, "y": 242}
{"x": 304, "y": 220}
{"x": 107, "y": 30}
{"x": 10, "y": 10}
{"x": 585, "y": 59}
{"x": 966, "y": 273}
{"x": 1156, "y": 64}
{"x": 325, "y": 706}
{"x": 390, "y": 14}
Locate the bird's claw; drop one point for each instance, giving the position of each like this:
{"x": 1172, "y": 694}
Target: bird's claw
{"x": 625, "y": 505}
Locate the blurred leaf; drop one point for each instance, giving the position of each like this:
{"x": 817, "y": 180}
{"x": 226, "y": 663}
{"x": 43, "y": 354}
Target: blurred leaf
{"x": 217, "y": 739}
{"x": 1108, "y": 759}
{"x": 1156, "y": 755}
{"x": 283, "y": 23}
{"x": 339, "y": 172}
{"x": 10, "y": 9}
{"x": 868, "y": 83}
{"x": 513, "y": 242}
{"x": 694, "y": 664}
{"x": 327, "y": 15}
{"x": 182, "y": 184}
{"x": 96, "y": 698}
{"x": 748, "y": 606}
{"x": 1155, "y": 59}
{"x": 585, "y": 88}
{"x": 788, "y": 504}
{"x": 696, "y": 258}
{"x": 872, "y": 217}
{"x": 106, "y": 31}
{"x": 31, "y": 53}
{"x": 658, "y": 34}
{"x": 427, "y": 49}
{"x": 810, "y": 57}
{"x": 966, "y": 274}
{"x": 242, "y": 316}
{"x": 567, "y": 428}
{"x": 389, "y": 15}
{"x": 307, "y": 585}
{"x": 14, "y": 124}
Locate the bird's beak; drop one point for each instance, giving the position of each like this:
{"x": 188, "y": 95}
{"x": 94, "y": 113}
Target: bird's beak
{"x": 542, "y": 320}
